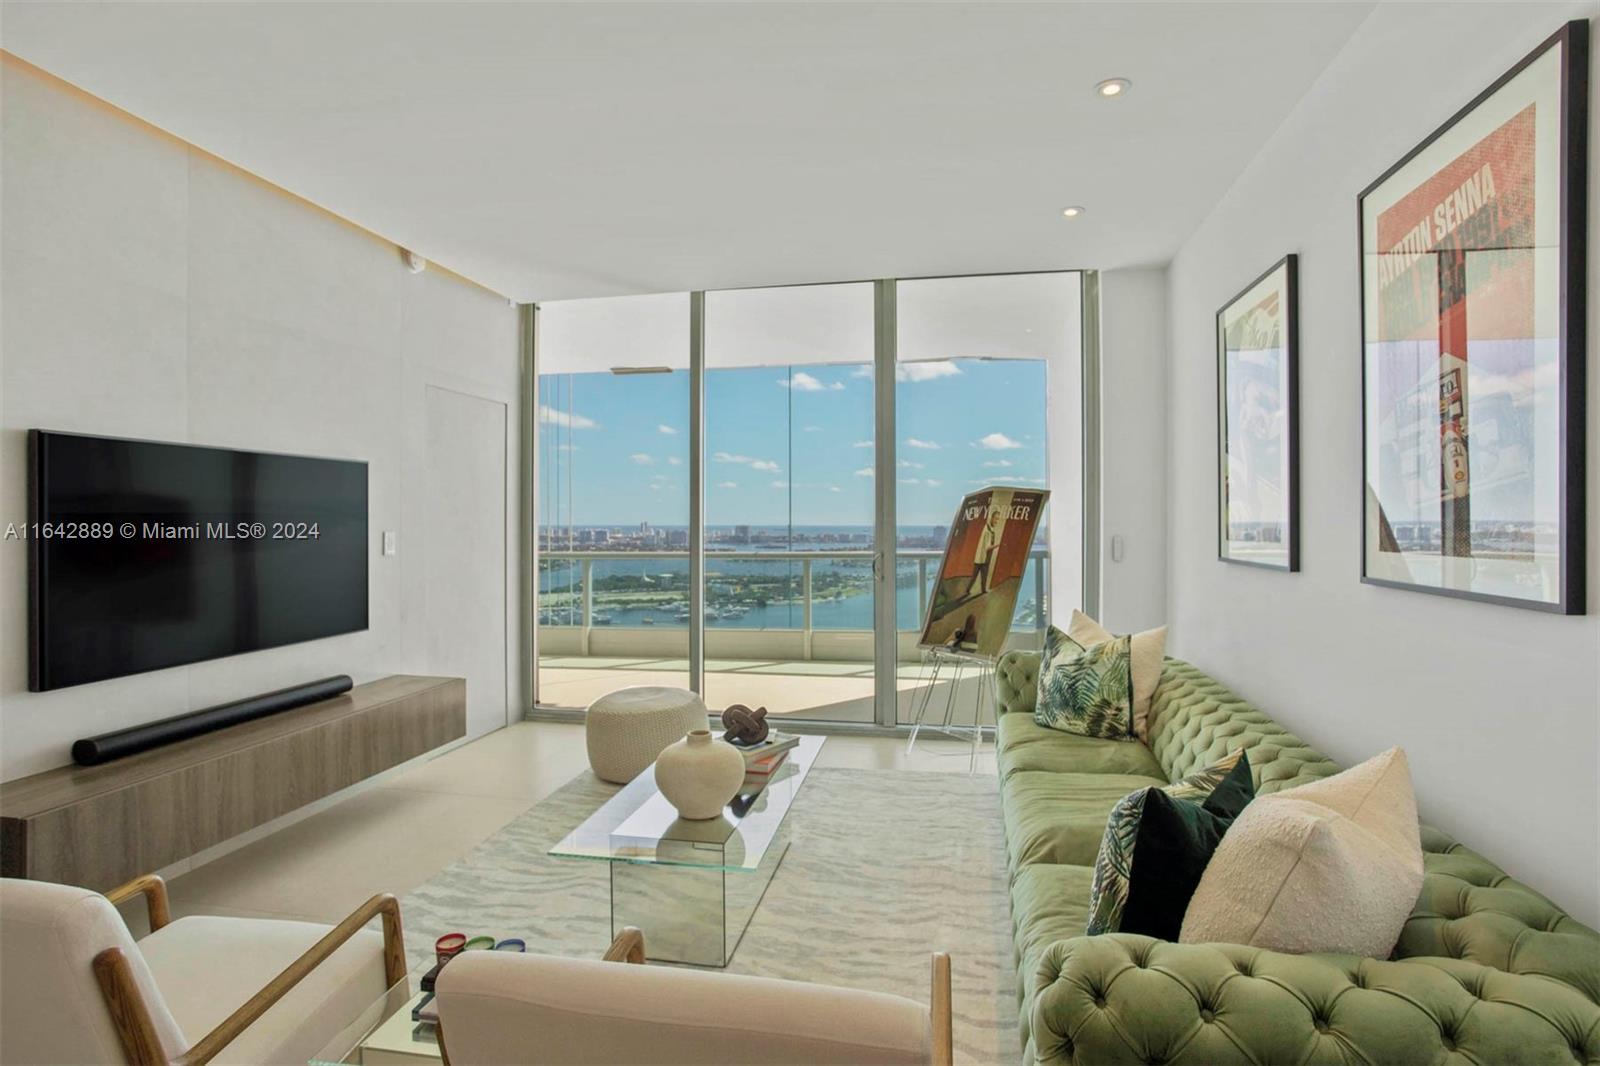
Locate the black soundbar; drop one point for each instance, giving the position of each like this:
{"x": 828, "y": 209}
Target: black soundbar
{"x": 92, "y": 751}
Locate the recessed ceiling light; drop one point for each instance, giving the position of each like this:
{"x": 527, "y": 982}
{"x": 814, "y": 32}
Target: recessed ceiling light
{"x": 1071, "y": 212}
{"x": 1113, "y": 87}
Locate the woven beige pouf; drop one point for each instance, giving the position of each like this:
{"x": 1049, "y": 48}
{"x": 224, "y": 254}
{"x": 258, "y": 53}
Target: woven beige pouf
{"x": 625, "y": 730}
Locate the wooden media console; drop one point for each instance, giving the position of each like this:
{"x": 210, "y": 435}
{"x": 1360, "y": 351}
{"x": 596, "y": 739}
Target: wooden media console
{"x": 98, "y": 826}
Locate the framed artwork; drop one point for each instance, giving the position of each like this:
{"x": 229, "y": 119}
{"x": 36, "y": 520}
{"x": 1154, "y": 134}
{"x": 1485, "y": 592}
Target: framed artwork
{"x": 1472, "y": 326}
{"x": 1258, "y": 433}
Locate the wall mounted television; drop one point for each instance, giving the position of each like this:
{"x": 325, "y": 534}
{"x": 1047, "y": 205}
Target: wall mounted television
{"x": 144, "y": 555}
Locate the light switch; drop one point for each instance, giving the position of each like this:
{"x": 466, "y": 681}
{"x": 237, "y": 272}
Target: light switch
{"x": 388, "y": 542}
{"x": 1116, "y": 548}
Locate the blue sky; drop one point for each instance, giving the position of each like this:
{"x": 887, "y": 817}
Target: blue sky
{"x": 786, "y": 444}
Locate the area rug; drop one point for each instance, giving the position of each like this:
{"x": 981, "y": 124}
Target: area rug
{"x": 885, "y": 867}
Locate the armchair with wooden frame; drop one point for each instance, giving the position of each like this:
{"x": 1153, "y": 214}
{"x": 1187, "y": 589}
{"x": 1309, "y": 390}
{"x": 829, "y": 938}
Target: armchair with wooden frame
{"x": 80, "y": 989}
{"x": 508, "y": 1009}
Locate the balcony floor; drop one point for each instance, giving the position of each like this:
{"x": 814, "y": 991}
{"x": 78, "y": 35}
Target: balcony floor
{"x": 817, "y": 690}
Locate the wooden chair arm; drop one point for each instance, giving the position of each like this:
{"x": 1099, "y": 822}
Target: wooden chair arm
{"x": 627, "y": 947}
{"x": 132, "y": 1018}
{"x": 940, "y": 1012}
{"x": 154, "y": 891}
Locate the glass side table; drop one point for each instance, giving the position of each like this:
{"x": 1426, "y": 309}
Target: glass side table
{"x": 384, "y": 1034}
{"x": 691, "y": 886}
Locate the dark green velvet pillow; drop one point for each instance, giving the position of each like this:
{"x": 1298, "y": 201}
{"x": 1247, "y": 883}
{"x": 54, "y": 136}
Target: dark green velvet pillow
{"x": 1157, "y": 844}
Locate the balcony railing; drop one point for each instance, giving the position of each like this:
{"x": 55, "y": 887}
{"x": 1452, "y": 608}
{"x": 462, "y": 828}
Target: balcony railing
{"x": 562, "y": 618}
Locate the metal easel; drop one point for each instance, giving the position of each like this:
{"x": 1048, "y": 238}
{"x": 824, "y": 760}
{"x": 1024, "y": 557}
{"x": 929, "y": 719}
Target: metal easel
{"x": 955, "y": 665}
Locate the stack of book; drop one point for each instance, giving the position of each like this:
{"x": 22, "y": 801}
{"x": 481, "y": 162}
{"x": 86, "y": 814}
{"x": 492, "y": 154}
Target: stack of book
{"x": 762, "y": 760}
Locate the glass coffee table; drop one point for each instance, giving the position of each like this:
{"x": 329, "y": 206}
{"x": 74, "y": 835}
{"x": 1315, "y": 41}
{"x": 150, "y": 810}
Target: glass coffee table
{"x": 691, "y": 886}
{"x": 384, "y": 1034}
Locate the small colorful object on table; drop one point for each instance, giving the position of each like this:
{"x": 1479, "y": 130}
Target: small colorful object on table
{"x": 511, "y": 944}
{"x": 479, "y": 943}
{"x": 449, "y": 945}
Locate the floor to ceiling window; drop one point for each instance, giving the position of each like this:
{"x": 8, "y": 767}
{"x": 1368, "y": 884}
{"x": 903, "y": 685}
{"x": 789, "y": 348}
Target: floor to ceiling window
{"x": 612, "y": 499}
{"x": 789, "y": 519}
{"x": 986, "y": 374}
{"x": 987, "y": 393}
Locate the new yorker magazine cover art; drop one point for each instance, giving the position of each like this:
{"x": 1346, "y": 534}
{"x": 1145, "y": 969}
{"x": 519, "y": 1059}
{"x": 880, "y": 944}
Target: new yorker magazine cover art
{"x": 976, "y": 593}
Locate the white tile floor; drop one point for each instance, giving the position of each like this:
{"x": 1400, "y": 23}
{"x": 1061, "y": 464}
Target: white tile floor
{"x": 395, "y": 836}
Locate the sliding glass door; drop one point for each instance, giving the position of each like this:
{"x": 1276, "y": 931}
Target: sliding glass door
{"x": 789, "y": 515}
{"x": 815, "y": 566}
{"x": 987, "y": 394}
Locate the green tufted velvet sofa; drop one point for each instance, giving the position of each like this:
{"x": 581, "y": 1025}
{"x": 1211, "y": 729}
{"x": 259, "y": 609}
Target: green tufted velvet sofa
{"x": 1486, "y": 970}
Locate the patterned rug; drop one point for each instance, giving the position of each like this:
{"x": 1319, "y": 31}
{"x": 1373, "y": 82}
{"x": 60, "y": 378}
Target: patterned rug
{"x": 885, "y": 867}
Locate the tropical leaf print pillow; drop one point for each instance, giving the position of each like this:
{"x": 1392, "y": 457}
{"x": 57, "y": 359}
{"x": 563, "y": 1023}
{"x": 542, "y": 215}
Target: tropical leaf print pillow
{"x": 1182, "y": 839}
{"x": 1088, "y": 691}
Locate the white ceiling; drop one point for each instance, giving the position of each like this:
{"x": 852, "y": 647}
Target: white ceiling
{"x": 561, "y": 150}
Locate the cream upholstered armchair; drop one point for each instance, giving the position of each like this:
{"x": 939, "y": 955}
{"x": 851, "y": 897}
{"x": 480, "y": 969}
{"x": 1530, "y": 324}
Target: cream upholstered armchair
{"x": 79, "y": 989}
{"x": 503, "y": 1009}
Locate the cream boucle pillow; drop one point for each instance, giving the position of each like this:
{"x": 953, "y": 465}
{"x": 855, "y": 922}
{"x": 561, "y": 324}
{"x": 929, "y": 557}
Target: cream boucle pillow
{"x": 1149, "y": 648}
{"x": 1332, "y": 866}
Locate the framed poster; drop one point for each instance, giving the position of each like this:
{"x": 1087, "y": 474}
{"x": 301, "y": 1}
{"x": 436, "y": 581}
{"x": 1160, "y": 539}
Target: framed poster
{"x": 975, "y": 595}
{"x": 1258, "y": 432}
{"x": 1472, "y": 321}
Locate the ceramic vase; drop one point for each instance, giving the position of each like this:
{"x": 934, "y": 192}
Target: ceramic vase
{"x": 699, "y": 775}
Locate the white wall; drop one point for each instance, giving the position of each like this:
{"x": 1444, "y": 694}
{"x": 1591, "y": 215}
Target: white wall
{"x": 1133, "y": 448}
{"x": 151, "y": 291}
{"x": 1498, "y": 708}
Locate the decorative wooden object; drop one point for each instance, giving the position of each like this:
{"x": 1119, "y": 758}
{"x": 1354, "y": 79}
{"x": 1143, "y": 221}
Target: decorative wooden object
{"x": 744, "y": 726}
{"x": 98, "y": 826}
{"x": 137, "y": 1032}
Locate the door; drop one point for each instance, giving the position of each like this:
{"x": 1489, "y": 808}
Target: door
{"x": 465, "y": 586}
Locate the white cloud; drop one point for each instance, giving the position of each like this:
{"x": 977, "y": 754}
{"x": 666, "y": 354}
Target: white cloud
{"x": 837, "y": 386}
{"x": 925, "y": 371}
{"x": 998, "y": 463}
{"x": 766, "y": 465}
{"x": 910, "y": 481}
{"x": 668, "y": 430}
{"x": 935, "y": 482}
{"x": 910, "y": 465}
{"x": 862, "y": 371}
{"x": 800, "y": 381}
{"x": 642, "y": 459}
{"x": 727, "y": 484}
{"x": 834, "y": 488}
{"x": 550, "y": 416}
{"x": 863, "y": 444}
{"x": 925, "y": 445}
{"x": 673, "y": 460}
{"x": 865, "y": 471}
{"x": 780, "y": 484}
{"x": 655, "y": 486}
{"x": 997, "y": 442}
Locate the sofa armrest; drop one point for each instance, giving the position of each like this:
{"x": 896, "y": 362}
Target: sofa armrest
{"x": 1127, "y": 998}
{"x": 1016, "y": 679}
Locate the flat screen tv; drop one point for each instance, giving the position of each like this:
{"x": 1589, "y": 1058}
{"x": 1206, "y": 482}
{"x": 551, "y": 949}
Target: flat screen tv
{"x": 144, "y": 555}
